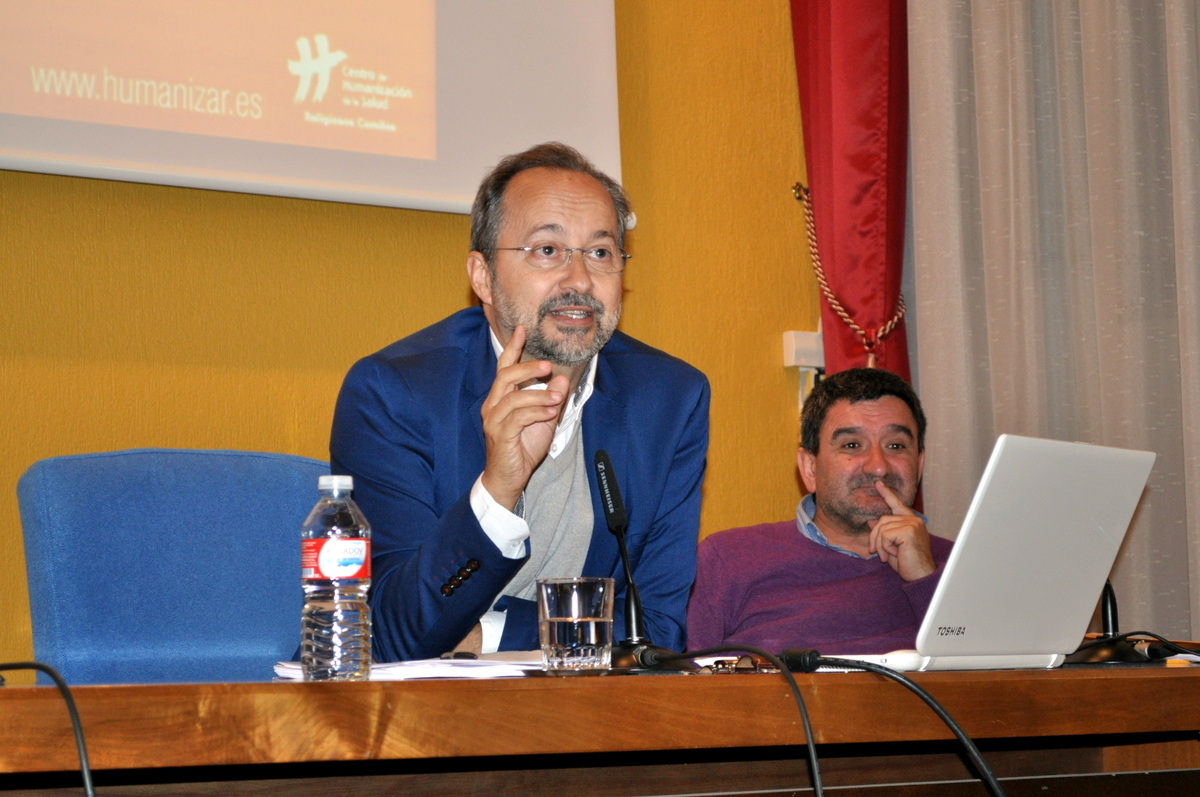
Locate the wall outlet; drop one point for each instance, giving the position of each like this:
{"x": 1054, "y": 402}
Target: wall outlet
{"x": 803, "y": 349}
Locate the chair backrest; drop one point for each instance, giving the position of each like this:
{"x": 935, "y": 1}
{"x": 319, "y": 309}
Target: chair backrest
{"x": 166, "y": 565}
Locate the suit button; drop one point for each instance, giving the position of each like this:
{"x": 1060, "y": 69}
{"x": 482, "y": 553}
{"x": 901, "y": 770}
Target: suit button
{"x": 464, "y": 573}
{"x": 472, "y": 565}
{"x": 454, "y": 582}
{"x": 447, "y": 590}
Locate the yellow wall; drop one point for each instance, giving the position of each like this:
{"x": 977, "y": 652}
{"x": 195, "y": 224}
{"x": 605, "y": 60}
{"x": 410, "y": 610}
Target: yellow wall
{"x": 711, "y": 145}
{"x": 134, "y": 315}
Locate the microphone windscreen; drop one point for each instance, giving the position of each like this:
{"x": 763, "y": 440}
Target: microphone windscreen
{"x": 610, "y": 494}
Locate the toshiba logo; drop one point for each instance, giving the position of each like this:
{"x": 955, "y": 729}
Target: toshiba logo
{"x": 951, "y": 630}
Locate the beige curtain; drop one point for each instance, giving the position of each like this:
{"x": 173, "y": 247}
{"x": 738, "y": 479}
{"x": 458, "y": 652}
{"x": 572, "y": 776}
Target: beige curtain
{"x": 1056, "y": 247}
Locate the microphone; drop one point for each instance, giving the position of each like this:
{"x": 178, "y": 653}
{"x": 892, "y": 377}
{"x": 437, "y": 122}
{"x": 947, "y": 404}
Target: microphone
{"x": 1108, "y": 610}
{"x": 636, "y": 651}
{"x": 618, "y": 522}
{"x": 614, "y": 507}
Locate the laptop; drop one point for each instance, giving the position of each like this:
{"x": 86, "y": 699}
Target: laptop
{"x": 1025, "y": 574}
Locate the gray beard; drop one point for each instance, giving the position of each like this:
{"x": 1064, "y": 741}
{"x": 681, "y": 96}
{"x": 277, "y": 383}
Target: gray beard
{"x": 574, "y": 349}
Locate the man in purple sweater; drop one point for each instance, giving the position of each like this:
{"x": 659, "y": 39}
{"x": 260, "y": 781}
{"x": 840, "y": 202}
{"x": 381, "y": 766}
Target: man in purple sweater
{"x": 856, "y": 569}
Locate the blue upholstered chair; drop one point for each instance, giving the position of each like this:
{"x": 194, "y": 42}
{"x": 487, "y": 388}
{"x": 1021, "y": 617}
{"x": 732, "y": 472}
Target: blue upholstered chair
{"x": 166, "y": 565}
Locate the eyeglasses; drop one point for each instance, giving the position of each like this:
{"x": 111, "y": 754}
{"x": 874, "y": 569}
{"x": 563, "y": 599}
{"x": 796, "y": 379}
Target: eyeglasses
{"x": 544, "y": 257}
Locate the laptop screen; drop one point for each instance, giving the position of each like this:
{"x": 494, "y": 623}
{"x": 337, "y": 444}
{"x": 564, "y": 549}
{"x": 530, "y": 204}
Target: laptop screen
{"x": 1036, "y": 546}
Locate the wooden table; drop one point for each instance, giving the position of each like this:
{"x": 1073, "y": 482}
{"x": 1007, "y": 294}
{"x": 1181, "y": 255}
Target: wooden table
{"x": 613, "y": 735}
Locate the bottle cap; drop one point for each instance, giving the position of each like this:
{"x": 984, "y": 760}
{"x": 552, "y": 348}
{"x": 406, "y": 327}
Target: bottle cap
{"x": 342, "y": 484}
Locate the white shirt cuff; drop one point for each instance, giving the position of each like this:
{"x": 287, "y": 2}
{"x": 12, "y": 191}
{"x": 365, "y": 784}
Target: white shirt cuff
{"x": 507, "y": 531}
{"x": 492, "y": 625}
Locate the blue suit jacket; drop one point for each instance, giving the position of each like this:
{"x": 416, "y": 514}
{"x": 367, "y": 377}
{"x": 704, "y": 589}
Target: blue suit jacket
{"x": 408, "y": 429}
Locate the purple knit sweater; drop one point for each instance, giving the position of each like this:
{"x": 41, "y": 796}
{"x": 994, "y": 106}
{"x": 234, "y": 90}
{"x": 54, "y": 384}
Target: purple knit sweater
{"x": 772, "y": 587}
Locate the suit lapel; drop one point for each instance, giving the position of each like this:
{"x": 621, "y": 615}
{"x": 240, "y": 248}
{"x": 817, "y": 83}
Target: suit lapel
{"x": 606, "y": 427}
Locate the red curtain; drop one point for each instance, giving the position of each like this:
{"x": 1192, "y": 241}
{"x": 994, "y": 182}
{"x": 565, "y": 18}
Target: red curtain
{"x": 852, "y": 66}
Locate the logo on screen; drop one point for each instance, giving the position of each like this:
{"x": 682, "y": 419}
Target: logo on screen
{"x": 308, "y": 66}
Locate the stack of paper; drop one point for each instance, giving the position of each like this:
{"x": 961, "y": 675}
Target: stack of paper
{"x": 428, "y": 668}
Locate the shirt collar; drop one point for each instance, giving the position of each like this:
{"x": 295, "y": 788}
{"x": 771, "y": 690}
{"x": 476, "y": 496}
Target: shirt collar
{"x": 805, "y": 511}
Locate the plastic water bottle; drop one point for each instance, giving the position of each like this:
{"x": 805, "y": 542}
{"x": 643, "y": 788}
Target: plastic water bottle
{"x": 335, "y": 571}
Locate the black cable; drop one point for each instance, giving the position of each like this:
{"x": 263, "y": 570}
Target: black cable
{"x": 84, "y": 768}
{"x": 653, "y": 657}
{"x": 1166, "y": 643}
{"x": 985, "y": 774}
{"x": 809, "y": 660}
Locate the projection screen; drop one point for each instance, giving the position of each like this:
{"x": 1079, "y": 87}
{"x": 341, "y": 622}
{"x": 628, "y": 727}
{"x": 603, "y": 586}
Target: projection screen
{"x": 403, "y": 103}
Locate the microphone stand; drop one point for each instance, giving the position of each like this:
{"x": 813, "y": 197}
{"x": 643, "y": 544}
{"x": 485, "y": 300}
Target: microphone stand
{"x": 635, "y": 653}
{"x": 1106, "y": 649}
{"x": 631, "y": 652}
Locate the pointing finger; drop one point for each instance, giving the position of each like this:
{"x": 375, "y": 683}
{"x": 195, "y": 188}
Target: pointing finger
{"x": 512, "y": 351}
{"x": 893, "y": 501}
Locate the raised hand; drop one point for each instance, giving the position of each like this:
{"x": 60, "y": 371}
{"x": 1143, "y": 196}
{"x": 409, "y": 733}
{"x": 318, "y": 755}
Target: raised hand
{"x": 518, "y": 425}
{"x": 901, "y": 539}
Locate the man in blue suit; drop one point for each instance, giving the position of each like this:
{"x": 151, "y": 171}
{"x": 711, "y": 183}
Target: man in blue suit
{"x": 471, "y": 441}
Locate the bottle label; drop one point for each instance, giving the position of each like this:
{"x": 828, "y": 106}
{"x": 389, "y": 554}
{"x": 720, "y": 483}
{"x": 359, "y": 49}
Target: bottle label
{"x": 335, "y": 557}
